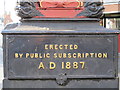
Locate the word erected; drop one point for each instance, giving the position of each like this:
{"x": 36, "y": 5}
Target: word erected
{"x": 60, "y": 47}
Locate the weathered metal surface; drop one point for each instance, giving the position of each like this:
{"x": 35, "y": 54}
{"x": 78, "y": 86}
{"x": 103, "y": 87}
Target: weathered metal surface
{"x": 66, "y": 25}
{"x": 56, "y": 25}
{"x": 94, "y": 84}
{"x": 95, "y": 56}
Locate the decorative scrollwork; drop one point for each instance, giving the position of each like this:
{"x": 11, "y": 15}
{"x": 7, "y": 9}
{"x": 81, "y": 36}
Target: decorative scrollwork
{"x": 27, "y": 9}
{"x": 92, "y": 9}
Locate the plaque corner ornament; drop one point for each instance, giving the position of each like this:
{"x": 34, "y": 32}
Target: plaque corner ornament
{"x": 11, "y": 39}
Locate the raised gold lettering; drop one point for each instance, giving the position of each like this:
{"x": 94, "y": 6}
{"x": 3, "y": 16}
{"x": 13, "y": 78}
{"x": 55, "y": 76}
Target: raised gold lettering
{"x": 105, "y": 55}
{"x": 55, "y": 55}
{"x": 51, "y": 47}
{"x": 32, "y": 55}
{"x": 75, "y": 46}
{"x": 52, "y": 65}
{"x": 41, "y": 65}
{"x": 83, "y": 65}
{"x": 46, "y": 47}
{"x": 87, "y": 55}
{"x": 56, "y": 47}
{"x": 83, "y": 55}
{"x": 66, "y": 46}
{"x": 40, "y": 55}
{"x": 63, "y": 65}
{"x": 27, "y": 55}
{"x": 68, "y": 65}
{"x": 61, "y": 46}
{"x": 71, "y": 47}
{"x": 92, "y": 55}
{"x": 16, "y": 55}
{"x": 64, "y": 55}
{"x": 36, "y": 55}
{"x": 21, "y": 55}
{"x": 75, "y": 65}
{"x": 99, "y": 55}
{"x": 79, "y": 55}
{"x": 48, "y": 55}
{"x": 74, "y": 55}
{"x": 60, "y": 55}
{"x": 69, "y": 55}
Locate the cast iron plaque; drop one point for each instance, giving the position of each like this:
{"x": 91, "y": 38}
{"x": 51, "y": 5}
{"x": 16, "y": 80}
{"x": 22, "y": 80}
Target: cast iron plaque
{"x": 54, "y": 56}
